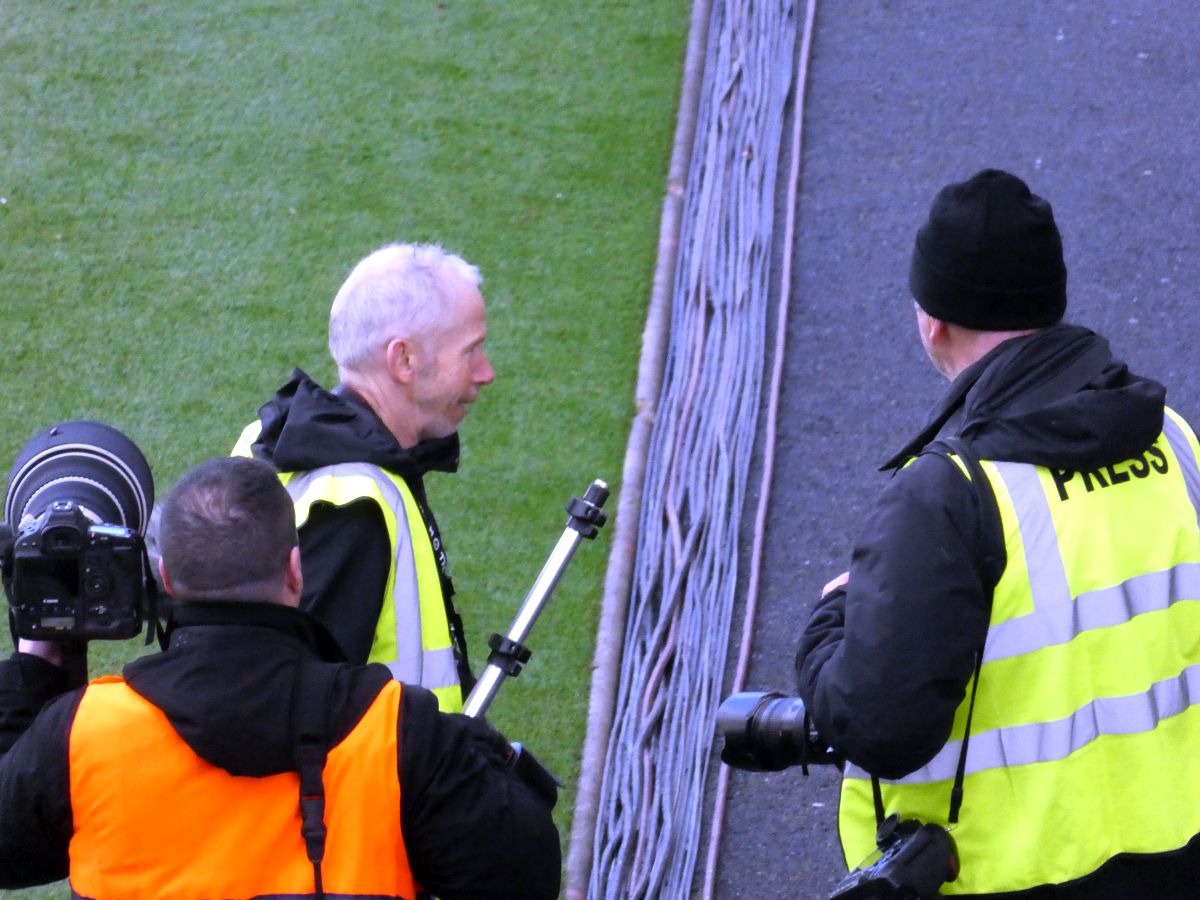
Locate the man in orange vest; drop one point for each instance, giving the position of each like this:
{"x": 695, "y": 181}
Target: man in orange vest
{"x": 247, "y": 760}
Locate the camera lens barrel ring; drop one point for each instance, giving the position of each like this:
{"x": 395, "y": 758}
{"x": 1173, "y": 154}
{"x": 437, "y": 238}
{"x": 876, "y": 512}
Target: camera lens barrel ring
{"x": 31, "y": 503}
{"x": 107, "y": 466}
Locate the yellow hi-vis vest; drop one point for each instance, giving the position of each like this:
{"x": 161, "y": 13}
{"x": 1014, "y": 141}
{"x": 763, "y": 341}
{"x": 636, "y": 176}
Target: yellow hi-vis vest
{"x": 412, "y": 636}
{"x": 153, "y": 820}
{"x": 1085, "y": 739}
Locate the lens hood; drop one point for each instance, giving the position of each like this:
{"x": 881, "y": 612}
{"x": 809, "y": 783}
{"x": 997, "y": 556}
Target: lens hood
{"x": 90, "y": 463}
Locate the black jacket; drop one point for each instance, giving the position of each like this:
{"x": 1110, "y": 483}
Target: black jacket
{"x": 472, "y": 829}
{"x": 346, "y": 552}
{"x": 884, "y": 663}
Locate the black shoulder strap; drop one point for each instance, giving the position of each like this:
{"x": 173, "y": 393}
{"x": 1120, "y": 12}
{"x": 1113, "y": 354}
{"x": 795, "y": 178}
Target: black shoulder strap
{"x": 152, "y": 612}
{"x": 991, "y": 533}
{"x": 312, "y": 703}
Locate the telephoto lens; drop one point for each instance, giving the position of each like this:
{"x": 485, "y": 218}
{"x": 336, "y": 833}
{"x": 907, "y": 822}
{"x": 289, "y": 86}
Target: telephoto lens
{"x": 768, "y": 732}
{"x": 72, "y": 546}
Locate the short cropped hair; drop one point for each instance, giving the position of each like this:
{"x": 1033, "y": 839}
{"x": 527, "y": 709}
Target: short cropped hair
{"x": 398, "y": 291}
{"x": 227, "y": 526}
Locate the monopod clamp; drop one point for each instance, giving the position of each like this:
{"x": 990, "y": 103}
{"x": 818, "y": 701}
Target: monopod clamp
{"x": 509, "y": 654}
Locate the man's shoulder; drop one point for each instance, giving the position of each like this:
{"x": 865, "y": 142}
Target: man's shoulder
{"x": 933, "y": 488}
{"x": 937, "y": 466}
{"x": 358, "y": 495}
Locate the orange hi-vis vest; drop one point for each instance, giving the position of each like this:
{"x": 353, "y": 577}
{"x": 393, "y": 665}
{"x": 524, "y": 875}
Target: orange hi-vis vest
{"x": 152, "y": 819}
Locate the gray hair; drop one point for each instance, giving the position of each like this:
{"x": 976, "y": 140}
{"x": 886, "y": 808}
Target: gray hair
{"x": 398, "y": 291}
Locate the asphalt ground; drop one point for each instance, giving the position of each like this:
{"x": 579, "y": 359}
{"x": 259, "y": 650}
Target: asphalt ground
{"x": 1095, "y": 105}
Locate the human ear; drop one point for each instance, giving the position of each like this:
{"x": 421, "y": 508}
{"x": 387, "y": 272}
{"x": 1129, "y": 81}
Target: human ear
{"x": 401, "y": 359}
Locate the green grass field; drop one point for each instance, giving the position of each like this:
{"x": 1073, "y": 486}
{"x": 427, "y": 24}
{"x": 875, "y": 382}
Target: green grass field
{"x": 183, "y": 186}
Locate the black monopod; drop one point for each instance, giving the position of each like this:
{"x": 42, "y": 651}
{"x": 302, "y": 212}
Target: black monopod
{"x": 508, "y": 652}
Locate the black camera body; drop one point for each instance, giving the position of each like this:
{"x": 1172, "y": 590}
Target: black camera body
{"x": 915, "y": 860}
{"x": 72, "y": 552}
{"x": 70, "y": 579}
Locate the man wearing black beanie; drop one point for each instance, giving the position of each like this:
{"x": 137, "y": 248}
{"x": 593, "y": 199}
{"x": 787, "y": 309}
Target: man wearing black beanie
{"x": 1014, "y": 654}
{"x": 990, "y": 257}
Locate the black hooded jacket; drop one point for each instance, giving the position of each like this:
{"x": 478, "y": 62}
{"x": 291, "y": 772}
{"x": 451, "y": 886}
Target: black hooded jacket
{"x": 884, "y": 663}
{"x": 346, "y": 551}
{"x": 226, "y": 683}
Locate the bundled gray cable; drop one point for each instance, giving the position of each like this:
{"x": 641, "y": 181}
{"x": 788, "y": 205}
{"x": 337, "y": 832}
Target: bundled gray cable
{"x": 648, "y": 825}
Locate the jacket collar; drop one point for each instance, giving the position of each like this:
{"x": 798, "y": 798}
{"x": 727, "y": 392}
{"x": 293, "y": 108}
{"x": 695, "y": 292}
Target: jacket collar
{"x": 305, "y": 427}
{"x": 951, "y": 404}
{"x": 283, "y": 620}
{"x": 1056, "y": 397}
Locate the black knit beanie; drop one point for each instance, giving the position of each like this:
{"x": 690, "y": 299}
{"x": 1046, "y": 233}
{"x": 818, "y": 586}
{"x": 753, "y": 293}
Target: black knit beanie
{"x": 990, "y": 257}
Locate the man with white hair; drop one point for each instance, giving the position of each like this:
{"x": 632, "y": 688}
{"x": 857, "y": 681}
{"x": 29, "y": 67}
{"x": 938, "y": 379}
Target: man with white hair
{"x": 406, "y": 330}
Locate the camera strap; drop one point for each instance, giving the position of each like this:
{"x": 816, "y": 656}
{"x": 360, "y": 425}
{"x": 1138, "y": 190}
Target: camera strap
{"x": 991, "y": 534}
{"x": 154, "y": 624}
{"x": 311, "y": 707}
{"x": 960, "y": 773}
{"x": 991, "y": 567}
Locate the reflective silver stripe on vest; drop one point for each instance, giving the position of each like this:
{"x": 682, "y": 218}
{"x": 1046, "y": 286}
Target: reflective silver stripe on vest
{"x": 1101, "y": 608}
{"x": 1048, "y": 741}
{"x": 438, "y": 668}
{"x": 1047, "y": 574}
{"x": 413, "y": 665}
{"x": 1187, "y": 460}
